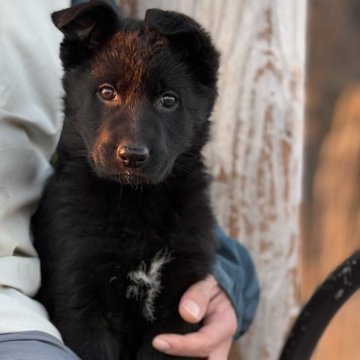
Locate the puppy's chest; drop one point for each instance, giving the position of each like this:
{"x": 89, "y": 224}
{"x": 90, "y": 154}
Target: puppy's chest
{"x": 144, "y": 282}
{"x": 134, "y": 242}
{"x": 142, "y": 258}
{"x": 137, "y": 277}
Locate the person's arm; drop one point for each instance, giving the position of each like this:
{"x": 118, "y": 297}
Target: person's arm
{"x": 30, "y": 123}
{"x": 235, "y": 272}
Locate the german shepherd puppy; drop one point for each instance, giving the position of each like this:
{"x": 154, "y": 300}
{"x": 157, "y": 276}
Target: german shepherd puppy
{"x": 125, "y": 225}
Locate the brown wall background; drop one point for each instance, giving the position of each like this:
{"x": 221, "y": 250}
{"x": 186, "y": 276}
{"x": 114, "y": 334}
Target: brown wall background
{"x": 331, "y": 207}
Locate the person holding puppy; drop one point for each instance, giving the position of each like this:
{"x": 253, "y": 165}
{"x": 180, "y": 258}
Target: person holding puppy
{"x": 30, "y": 125}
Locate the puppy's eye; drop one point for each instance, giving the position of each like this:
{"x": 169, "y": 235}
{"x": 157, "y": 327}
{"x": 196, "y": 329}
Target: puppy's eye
{"x": 107, "y": 92}
{"x": 168, "y": 101}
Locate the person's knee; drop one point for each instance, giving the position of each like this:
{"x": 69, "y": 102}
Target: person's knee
{"x": 33, "y": 345}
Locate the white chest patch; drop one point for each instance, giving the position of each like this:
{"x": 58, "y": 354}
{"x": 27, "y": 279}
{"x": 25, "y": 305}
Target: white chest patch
{"x": 146, "y": 282}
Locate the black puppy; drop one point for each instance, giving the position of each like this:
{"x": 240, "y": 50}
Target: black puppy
{"x": 125, "y": 225}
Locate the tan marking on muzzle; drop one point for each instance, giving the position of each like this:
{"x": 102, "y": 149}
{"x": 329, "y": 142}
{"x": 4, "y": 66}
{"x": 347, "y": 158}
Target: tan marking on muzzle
{"x": 102, "y": 138}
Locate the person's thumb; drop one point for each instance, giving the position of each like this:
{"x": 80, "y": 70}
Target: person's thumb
{"x": 195, "y": 301}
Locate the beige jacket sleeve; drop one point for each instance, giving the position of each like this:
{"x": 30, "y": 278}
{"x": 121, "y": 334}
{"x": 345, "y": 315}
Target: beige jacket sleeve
{"x": 30, "y": 123}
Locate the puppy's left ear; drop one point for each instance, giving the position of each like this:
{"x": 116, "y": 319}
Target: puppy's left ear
{"x": 189, "y": 39}
{"x": 85, "y": 27}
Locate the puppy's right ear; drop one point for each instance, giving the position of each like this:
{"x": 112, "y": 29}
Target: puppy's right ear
{"x": 85, "y": 27}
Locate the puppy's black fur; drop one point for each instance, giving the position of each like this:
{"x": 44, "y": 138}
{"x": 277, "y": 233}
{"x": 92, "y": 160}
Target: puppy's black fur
{"x": 125, "y": 224}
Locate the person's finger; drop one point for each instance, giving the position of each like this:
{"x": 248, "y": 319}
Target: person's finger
{"x": 194, "y": 302}
{"x": 221, "y": 352}
{"x": 191, "y": 345}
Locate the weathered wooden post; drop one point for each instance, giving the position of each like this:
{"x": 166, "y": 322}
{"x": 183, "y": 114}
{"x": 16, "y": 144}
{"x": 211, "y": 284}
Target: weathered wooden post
{"x": 256, "y": 149}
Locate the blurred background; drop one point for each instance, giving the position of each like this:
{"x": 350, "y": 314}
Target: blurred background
{"x": 331, "y": 193}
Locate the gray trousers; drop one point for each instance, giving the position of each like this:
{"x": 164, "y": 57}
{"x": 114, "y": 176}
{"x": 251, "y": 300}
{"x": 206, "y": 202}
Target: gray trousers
{"x": 33, "y": 345}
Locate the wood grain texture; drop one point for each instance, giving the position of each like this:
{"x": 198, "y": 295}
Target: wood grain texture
{"x": 256, "y": 150}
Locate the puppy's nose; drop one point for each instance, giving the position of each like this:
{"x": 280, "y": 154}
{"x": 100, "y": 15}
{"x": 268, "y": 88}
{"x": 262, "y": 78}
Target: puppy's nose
{"x": 133, "y": 156}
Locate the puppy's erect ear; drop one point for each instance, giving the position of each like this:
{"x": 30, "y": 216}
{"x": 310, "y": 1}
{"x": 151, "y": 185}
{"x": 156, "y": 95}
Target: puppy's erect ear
{"x": 85, "y": 27}
{"x": 90, "y": 21}
{"x": 189, "y": 39}
{"x": 170, "y": 22}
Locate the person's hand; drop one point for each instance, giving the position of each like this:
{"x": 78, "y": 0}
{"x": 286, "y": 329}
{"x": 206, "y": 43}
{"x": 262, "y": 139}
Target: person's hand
{"x": 204, "y": 300}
